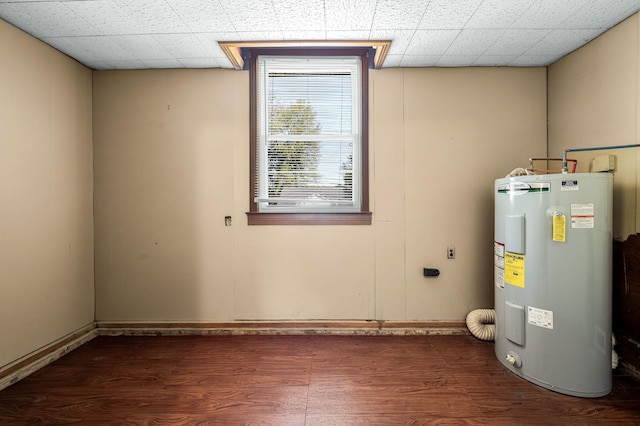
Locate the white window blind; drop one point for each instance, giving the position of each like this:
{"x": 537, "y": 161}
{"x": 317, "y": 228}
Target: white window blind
{"x": 308, "y": 150}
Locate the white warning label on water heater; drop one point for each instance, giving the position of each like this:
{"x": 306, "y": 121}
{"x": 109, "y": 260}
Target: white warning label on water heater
{"x": 582, "y": 216}
{"x": 498, "y": 262}
{"x": 540, "y": 317}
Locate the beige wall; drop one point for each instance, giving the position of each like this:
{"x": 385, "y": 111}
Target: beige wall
{"x": 46, "y": 224}
{"x": 594, "y": 102}
{"x": 170, "y": 154}
{"x": 171, "y": 160}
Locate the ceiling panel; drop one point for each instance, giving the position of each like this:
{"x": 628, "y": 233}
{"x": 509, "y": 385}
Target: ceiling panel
{"x": 388, "y": 16}
{"x": 493, "y": 60}
{"x": 494, "y": 14}
{"x": 182, "y": 45}
{"x": 291, "y": 17}
{"x": 162, "y": 63}
{"x": 106, "y": 16}
{"x": 120, "y": 34}
{"x": 527, "y": 60}
{"x": 514, "y": 42}
{"x": 431, "y": 43}
{"x": 202, "y": 16}
{"x": 548, "y": 13}
{"x": 560, "y": 42}
{"x": 142, "y": 46}
{"x": 600, "y": 13}
{"x": 419, "y": 61}
{"x": 393, "y": 60}
{"x": 252, "y": 16}
{"x": 401, "y": 39}
{"x": 348, "y": 14}
{"x": 104, "y": 48}
{"x": 46, "y": 19}
{"x": 154, "y": 16}
{"x": 448, "y": 15}
{"x": 473, "y": 42}
{"x": 68, "y": 44}
{"x": 457, "y": 60}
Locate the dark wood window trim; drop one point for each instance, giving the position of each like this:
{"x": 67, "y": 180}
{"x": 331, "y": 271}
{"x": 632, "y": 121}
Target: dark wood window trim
{"x": 254, "y": 216}
{"x": 257, "y": 218}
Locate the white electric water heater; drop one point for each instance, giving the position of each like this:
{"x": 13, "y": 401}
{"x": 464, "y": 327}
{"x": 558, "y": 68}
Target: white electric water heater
{"x": 553, "y": 276}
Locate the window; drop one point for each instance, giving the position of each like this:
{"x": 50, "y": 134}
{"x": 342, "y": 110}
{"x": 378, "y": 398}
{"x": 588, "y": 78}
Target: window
{"x": 309, "y": 136}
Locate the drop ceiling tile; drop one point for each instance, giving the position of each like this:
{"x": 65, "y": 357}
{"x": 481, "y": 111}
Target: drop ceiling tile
{"x": 447, "y": 14}
{"x": 392, "y": 61}
{"x": 142, "y": 46}
{"x": 400, "y": 39}
{"x": 514, "y": 42}
{"x": 260, "y": 35}
{"x": 97, "y": 65}
{"x": 46, "y": 19}
{"x": 190, "y": 29}
{"x": 561, "y": 42}
{"x": 162, "y": 63}
{"x": 498, "y": 13}
{"x": 547, "y": 13}
{"x": 202, "y": 63}
{"x": 295, "y": 15}
{"x": 210, "y": 42}
{"x": 348, "y": 35}
{"x": 473, "y": 42}
{"x": 388, "y": 16}
{"x": 94, "y": 52}
{"x": 104, "y": 48}
{"x": 534, "y": 60}
{"x": 303, "y": 35}
{"x": 127, "y": 65}
{"x": 218, "y": 36}
{"x": 106, "y": 16}
{"x": 182, "y": 45}
{"x": 456, "y": 60}
{"x": 602, "y": 14}
{"x": 420, "y": 60}
{"x": 69, "y": 46}
{"x": 202, "y": 16}
{"x": 431, "y": 42}
{"x": 493, "y": 60}
{"x": 349, "y": 14}
{"x": 251, "y": 15}
{"x": 153, "y": 16}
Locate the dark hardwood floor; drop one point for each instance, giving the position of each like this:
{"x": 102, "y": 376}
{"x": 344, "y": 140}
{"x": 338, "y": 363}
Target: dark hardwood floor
{"x": 298, "y": 380}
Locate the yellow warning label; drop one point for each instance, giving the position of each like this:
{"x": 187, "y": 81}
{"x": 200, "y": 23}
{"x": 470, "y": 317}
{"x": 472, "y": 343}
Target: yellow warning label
{"x": 559, "y": 228}
{"x": 514, "y": 269}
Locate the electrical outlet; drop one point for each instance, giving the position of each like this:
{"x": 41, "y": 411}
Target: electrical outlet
{"x": 451, "y": 252}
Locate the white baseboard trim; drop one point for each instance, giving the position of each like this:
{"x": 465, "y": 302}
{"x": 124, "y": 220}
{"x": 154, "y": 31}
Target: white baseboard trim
{"x": 32, "y": 362}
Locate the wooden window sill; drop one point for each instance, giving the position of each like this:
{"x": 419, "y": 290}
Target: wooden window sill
{"x": 361, "y": 218}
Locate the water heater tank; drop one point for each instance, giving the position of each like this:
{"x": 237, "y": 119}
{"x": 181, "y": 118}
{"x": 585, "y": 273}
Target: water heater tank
{"x": 552, "y": 255}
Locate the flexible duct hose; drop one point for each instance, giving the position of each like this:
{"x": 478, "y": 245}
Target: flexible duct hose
{"x": 481, "y": 324}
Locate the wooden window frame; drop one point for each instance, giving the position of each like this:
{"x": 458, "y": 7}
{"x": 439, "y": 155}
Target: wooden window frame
{"x": 364, "y": 216}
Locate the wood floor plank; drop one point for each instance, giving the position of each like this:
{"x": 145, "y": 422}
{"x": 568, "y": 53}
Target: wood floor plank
{"x": 298, "y": 380}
